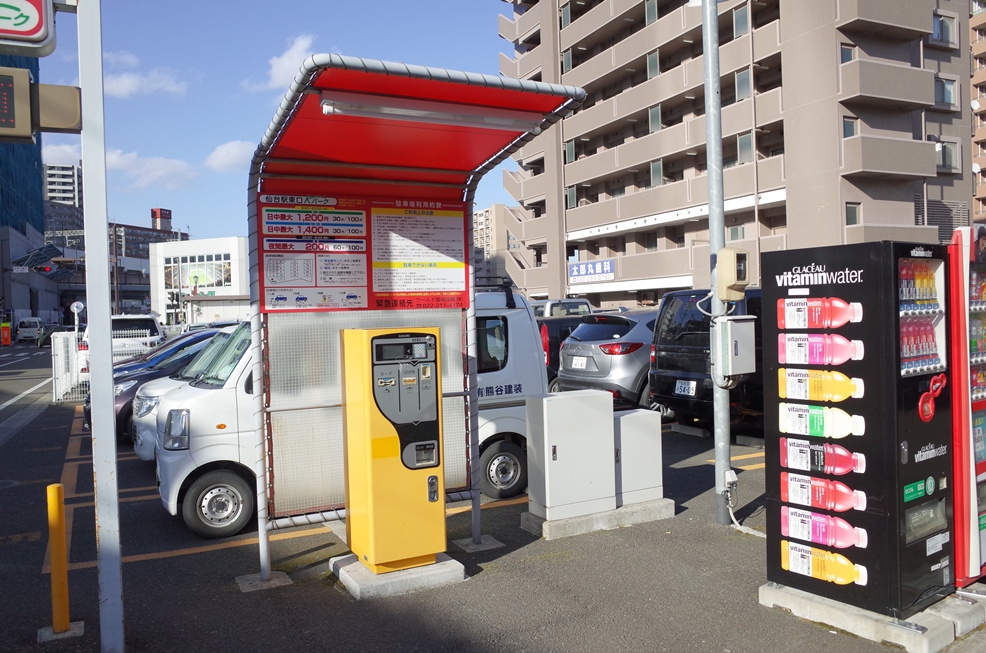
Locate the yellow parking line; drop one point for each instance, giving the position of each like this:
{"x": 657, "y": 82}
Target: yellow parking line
{"x": 748, "y": 467}
{"x": 20, "y": 537}
{"x": 743, "y": 457}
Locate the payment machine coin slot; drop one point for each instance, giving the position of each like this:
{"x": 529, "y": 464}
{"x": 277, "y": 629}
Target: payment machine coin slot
{"x": 393, "y": 436}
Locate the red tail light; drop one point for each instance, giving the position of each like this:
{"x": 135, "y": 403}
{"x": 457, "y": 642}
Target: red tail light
{"x": 544, "y": 342}
{"x": 653, "y": 354}
{"x": 620, "y": 348}
{"x": 83, "y": 346}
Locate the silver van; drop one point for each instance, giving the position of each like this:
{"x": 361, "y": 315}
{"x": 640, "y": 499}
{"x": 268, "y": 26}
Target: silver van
{"x": 29, "y": 328}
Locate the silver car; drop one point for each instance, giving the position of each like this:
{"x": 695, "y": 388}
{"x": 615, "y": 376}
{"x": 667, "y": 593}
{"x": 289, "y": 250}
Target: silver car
{"x": 610, "y": 351}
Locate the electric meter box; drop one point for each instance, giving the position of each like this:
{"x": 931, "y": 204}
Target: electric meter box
{"x": 732, "y": 273}
{"x": 734, "y": 341}
{"x": 395, "y": 481}
{"x": 570, "y": 453}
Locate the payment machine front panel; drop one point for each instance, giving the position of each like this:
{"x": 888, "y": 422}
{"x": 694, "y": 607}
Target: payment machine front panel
{"x": 395, "y": 489}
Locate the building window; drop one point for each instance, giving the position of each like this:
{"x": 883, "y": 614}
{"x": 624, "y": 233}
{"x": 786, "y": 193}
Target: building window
{"x": 852, "y": 213}
{"x": 744, "y": 148}
{"x": 737, "y": 232}
{"x": 743, "y": 90}
{"x": 570, "y": 197}
{"x": 650, "y": 11}
{"x": 741, "y": 21}
{"x": 654, "y": 119}
{"x": 657, "y": 173}
{"x": 653, "y": 65}
{"x": 978, "y": 6}
{"x": 650, "y": 241}
{"x": 944, "y": 32}
{"x": 569, "y": 151}
{"x": 847, "y": 53}
{"x": 850, "y": 126}
{"x": 566, "y": 61}
{"x": 566, "y": 16}
{"x": 948, "y": 155}
{"x": 946, "y": 93}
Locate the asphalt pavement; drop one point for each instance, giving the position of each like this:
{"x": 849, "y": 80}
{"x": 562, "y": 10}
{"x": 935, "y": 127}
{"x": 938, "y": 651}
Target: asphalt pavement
{"x": 682, "y": 585}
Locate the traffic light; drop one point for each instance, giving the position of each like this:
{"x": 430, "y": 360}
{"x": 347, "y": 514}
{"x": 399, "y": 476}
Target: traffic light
{"x": 173, "y": 296}
{"x": 42, "y": 268}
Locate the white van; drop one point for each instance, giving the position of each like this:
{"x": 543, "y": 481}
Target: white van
{"x": 29, "y": 328}
{"x": 205, "y": 429}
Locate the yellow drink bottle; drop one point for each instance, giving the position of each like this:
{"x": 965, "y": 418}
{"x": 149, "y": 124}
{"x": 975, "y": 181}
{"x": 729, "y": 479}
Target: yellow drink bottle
{"x": 817, "y": 385}
{"x": 821, "y": 564}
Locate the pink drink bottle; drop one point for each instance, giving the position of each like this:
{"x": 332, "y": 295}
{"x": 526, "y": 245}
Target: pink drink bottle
{"x": 816, "y": 312}
{"x": 820, "y": 493}
{"x": 816, "y": 349}
{"x": 821, "y": 529}
{"x": 820, "y": 457}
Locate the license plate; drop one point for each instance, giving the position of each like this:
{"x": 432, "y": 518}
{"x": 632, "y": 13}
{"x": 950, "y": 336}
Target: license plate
{"x": 578, "y": 362}
{"x": 684, "y": 388}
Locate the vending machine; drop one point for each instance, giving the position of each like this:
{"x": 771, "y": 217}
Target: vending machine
{"x": 858, "y": 424}
{"x": 968, "y": 290}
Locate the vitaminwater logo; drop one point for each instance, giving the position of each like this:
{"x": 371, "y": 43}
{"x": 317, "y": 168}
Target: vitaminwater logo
{"x": 929, "y": 451}
{"x": 920, "y": 251}
{"x": 814, "y": 274}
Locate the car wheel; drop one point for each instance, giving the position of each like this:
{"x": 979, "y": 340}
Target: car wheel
{"x": 218, "y": 504}
{"x": 553, "y": 386}
{"x": 504, "y": 466}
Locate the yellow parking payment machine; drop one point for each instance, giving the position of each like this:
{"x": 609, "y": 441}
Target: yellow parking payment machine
{"x": 395, "y": 481}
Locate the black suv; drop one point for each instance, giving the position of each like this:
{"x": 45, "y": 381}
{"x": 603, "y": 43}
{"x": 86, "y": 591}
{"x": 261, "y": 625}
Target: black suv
{"x": 680, "y": 379}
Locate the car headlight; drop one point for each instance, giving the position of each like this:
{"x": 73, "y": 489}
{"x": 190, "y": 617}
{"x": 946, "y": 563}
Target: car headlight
{"x": 145, "y": 405}
{"x": 122, "y": 387}
{"x": 176, "y": 429}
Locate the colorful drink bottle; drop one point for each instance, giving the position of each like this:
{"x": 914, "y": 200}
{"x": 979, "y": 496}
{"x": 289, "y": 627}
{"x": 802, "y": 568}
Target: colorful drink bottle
{"x": 817, "y": 385}
{"x": 816, "y": 313}
{"x": 820, "y": 493}
{"x": 816, "y": 349}
{"x": 820, "y": 564}
{"x": 821, "y": 529}
{"x": 817, "y": 457}
{"x": 818, "y": 421}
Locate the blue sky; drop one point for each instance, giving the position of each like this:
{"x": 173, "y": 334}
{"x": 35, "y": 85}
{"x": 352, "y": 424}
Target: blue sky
{"x": 190, "y": 86}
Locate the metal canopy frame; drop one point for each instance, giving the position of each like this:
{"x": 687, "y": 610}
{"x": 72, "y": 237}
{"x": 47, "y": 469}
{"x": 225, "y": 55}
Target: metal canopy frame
{"x": 350, "y": 126}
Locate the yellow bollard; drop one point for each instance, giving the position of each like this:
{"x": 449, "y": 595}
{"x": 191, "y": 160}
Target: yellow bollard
{"x": 58, "y": 557}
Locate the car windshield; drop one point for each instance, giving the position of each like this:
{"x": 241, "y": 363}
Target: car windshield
{"x": 204, "y": 358}
{"x": 225, "y": 361}
{"x": 180, "y": 353}
{"x": 602, "y": 327}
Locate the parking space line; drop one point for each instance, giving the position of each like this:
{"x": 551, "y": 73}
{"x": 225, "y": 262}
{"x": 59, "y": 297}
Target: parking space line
{"x": 208, "y": 548}
{"x": 20, "y": 537}
{"x": 746, "y": 456}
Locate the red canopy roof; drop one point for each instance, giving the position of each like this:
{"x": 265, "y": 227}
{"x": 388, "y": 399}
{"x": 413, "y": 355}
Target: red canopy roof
{"x": 368, "y": 128}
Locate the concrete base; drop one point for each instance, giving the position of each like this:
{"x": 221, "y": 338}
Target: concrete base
{"x": 939, "y": 625}
{"x": 690, "y": 430}
{"x": 252, "y": 582}
{"x": 364, "y": 584}
{"x": 486, "y": 543}
{"x": 637, "y": 513}
{"x": 750, "y": 441}
{"x": 75, "y": 629}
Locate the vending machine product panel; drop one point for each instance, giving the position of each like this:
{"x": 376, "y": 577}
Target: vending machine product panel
{"x": 858, "y": 424}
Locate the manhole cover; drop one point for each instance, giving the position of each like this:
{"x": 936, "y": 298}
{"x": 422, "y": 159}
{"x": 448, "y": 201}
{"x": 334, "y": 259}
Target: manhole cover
{"x": 6, "y": 484}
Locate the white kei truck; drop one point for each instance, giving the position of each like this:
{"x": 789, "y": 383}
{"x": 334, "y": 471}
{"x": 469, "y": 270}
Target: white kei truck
{"x": 207, "y": 450}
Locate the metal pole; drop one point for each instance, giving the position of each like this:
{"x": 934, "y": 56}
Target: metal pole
{"x": 100, "y": 353}
{"x": 717, "y": 239}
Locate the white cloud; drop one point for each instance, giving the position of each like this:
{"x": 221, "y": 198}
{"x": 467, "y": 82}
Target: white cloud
{"x": 284, "y": 66}
{"x": 159, "y": 80}
{"x": 233, "y": 156}
{"x": 147, "y": 172}
{"x": 62, "y": 155}
{"x": 121, "y": 59}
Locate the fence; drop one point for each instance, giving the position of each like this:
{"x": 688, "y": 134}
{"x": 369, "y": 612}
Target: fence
{"x": 70, "y": 362}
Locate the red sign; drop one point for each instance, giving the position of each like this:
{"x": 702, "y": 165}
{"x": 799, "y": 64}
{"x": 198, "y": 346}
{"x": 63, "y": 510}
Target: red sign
{"x": 339, "y": 253}
{"x": 27, "y": 27}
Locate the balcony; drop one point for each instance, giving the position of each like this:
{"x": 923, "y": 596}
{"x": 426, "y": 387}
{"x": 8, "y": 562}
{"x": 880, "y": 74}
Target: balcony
{"x": 770, "y": 108}
{"x": 890, "y": 19}
{"x": 896, "y": 158}
{"x": 767, "y": 40}
{"x": 524, "y": 187}
{"x": 662, "y": 263}
{"x": 595, "y": 24}
{"x": 879, "y": 84}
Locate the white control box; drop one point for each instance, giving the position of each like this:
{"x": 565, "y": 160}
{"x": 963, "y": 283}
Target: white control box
{"x": 570, "y": 454}
{"x": 735, "y": 342}
{"x": 639, "y": 459}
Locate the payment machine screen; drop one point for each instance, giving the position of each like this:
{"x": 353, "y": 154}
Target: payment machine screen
{"x": 404, "y": 351}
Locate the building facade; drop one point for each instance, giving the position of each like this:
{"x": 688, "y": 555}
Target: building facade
{"x": 977, "y": 87}
{"x": 491, "y": 242}
{"x": 192, "y": 269}
{"x": 842, "y": 122}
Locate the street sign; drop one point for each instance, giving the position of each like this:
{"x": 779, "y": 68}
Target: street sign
{"x": 27, "y": 27}
{"x": 21, "y": 269}
{"x": 76, "y": 307}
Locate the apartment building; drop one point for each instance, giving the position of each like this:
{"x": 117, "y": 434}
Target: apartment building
{"x": 491, "y": 242}
{"x": 977, "y": 45}
{"x": 842, "y": 121}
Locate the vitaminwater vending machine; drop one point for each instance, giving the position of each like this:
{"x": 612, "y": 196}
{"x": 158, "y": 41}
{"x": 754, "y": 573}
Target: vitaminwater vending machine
{"x": 968, "y": 290}
{"x": 858, "y": 424}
